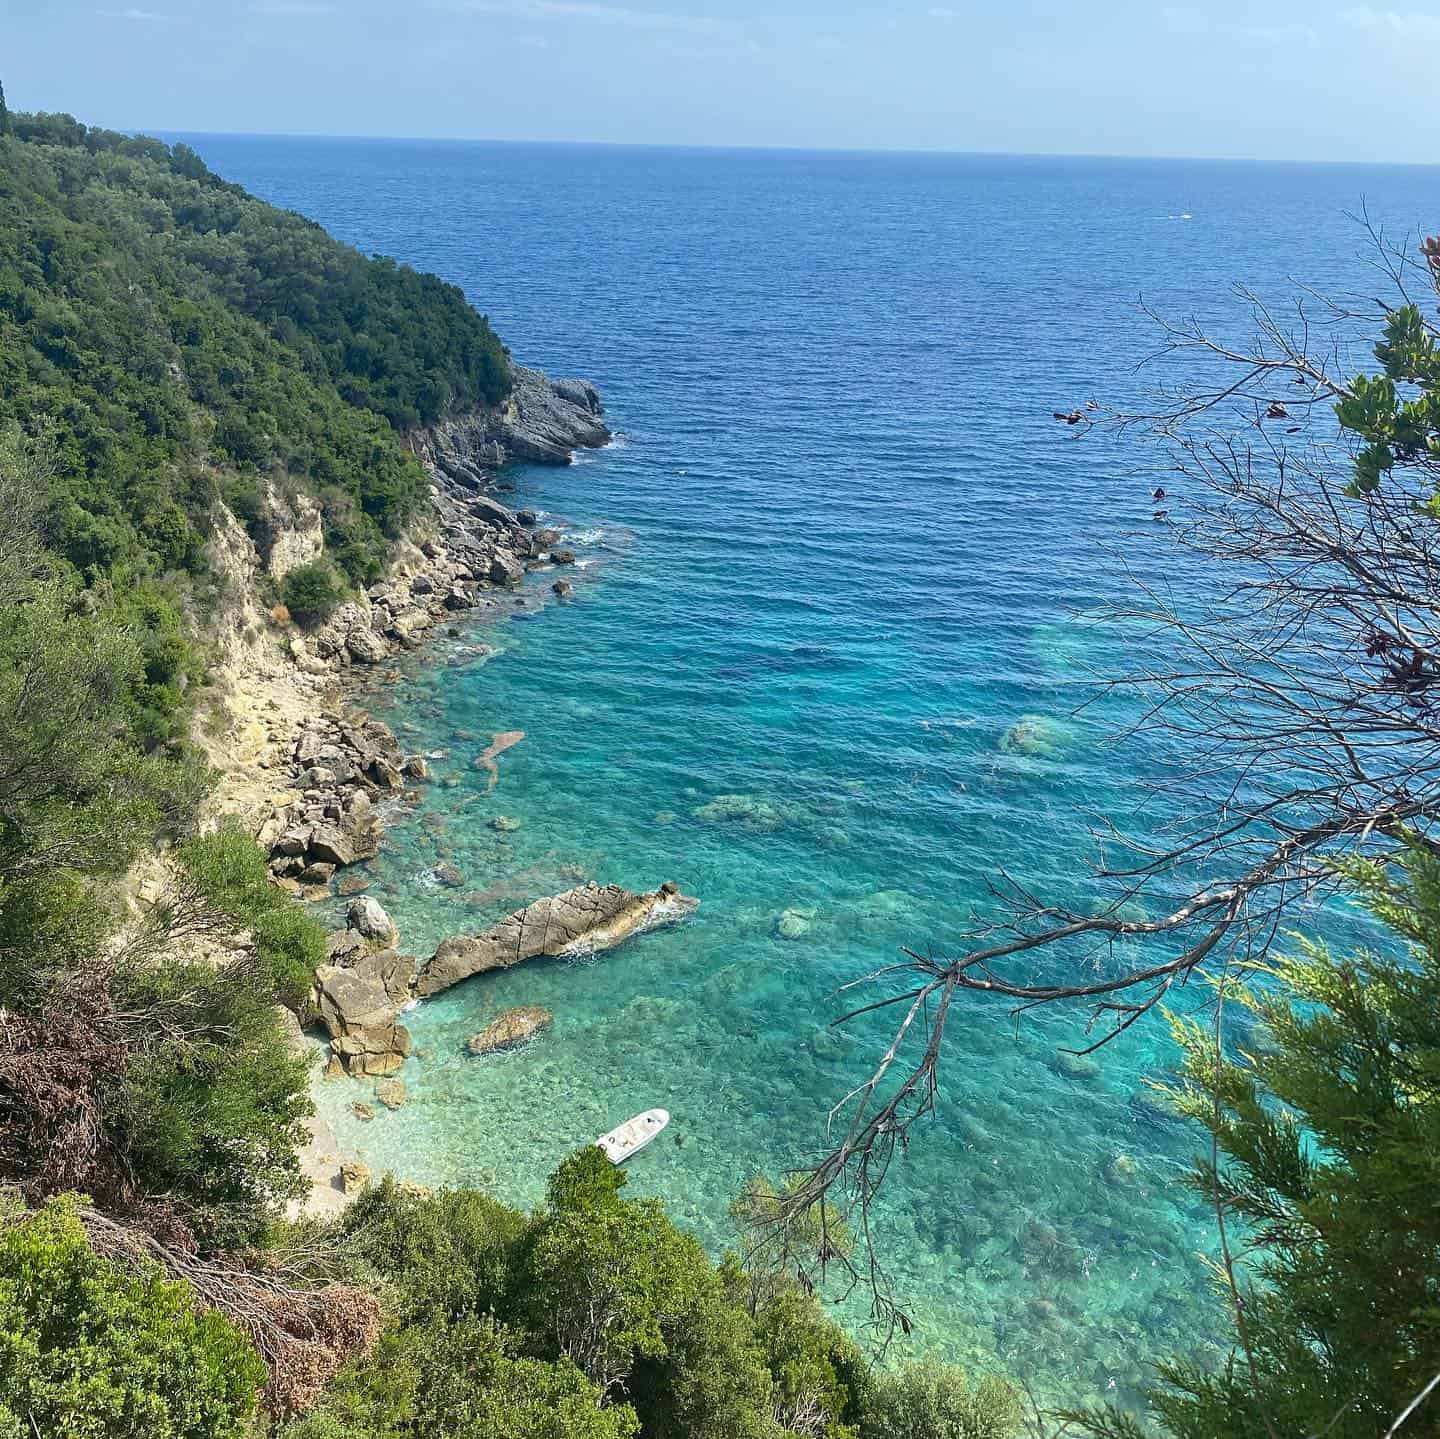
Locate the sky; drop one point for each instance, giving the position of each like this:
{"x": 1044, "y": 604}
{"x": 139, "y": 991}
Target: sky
{"x": 1274, "y": 80}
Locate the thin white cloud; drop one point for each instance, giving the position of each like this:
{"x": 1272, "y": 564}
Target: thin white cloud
{"x": 142, "y": 17}
{"x": 1408, "y": 26}
{"x": 293, "y": 7}
{"x": 1296, "y": 34}
{"x": 585, "y": 10}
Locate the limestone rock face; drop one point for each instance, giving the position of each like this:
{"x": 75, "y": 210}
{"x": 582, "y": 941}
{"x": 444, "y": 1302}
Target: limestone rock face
{"x": 584, "y": 920}
{"x": 513, "y": 1027}
{"x": 493, "y": 512}
{"x": 296, "y": 530}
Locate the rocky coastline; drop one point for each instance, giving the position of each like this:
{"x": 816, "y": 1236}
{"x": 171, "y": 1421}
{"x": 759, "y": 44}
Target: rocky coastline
{"x": 309, "y": 773}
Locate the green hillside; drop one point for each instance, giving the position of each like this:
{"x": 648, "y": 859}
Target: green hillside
{"x": 167, "y": 340}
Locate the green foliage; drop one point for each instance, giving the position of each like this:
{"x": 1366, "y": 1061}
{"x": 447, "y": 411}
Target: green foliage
{"x": 780, "y": 1248}
{"x": 810, "y": 1360}
{"x": 311, "y": 591}
{"x": 593, "y": 1297}
{"x": 1330, "y": 1153}
{"x": 461, "y": 1378}
{"x": 453, "y": 1254}
{"x": 228, "y": 870}
{"x": 1396, "y": 414}
{"x": 931, "y": 1400}
{"x": 180, "y": 340}
{"x": 212, "y": 1115}
{"x": 90, "y": 1353}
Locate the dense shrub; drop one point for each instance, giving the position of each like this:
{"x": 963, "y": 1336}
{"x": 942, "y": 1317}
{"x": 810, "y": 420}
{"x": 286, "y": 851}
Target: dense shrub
{"x": 461, "y": 1378}
{"x": 89, "y": 1352}
{"x": 180, "y": 340}
{"x": 228, "y": 869}
{"x": 608, "y": 1317}
{"x": 311, "y": 591}
{"x": 931, "y": 1400}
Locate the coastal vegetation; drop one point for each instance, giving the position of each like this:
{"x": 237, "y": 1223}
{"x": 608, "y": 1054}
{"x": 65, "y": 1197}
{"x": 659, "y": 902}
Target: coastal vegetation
{"x": 169, "y": 342}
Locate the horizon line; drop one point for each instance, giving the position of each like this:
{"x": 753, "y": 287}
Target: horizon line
{"x": 716, "y": 148}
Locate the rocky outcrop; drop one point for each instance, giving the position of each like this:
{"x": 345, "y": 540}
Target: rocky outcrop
{"x": 585, "y": 920}
{"x": 514, "y": 1026}
{"x": 340, "y": 766}
{"x": 290, "y": 532}
{"x": 543, "y": 421}
{"x": 359, "y": 1003}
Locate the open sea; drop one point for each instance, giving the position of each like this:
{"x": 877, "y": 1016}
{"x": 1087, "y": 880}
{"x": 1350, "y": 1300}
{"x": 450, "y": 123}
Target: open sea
{"x": 838, "y": 552}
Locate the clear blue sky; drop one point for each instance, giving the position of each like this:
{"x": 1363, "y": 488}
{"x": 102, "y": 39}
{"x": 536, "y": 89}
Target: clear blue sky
{"x": 1209, "y": 77}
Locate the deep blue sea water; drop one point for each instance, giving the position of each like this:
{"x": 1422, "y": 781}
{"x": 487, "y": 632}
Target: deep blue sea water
{"x": 838, "y": 550}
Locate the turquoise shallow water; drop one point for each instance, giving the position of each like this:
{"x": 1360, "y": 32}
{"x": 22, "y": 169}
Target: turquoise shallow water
{"x": 839, "y": 550}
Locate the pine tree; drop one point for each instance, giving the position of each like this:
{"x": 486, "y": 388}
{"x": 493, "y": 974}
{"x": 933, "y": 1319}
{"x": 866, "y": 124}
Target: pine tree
{"x": 1327, "y": 1132}
{"x": 4, "y": 112}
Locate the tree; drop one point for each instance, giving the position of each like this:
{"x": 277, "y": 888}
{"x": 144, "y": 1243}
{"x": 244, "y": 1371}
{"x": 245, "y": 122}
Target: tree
{"x": 462, "y": 1377}
{"x": 931, "y": 1400}
{"x": 311, "y": 591}
{"x": 92, "y": 1353}
{"x": 1296, "y": 713}
{"x": 1326, "y": 1132}
{"x": 4, "y": 114}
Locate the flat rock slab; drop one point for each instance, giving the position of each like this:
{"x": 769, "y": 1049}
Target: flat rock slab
{"x": 584, "y": 920}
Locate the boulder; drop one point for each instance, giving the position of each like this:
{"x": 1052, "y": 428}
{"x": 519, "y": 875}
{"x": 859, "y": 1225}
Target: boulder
{"x": 366, "y": 647}
{"x": 563, "y": 588}
{"x": 585, "y": 920}
{"x": 368, "y": 918}
{"x": 391, "y": 1093}
{"x": 794, "y": 923}
{"x": 448, "y": 875}
{"x": 317, "y": 873}
{"x": 505, "y": 569}
{"x": 504, "y": 824}
{"x": 513, "y": 1027}
{"x": 359, "y": 1005}
{"x": 329, "y": 846}
{"x": 494, "y": 513}
{"x": 562, "y": 557}
{"x": 354, "y": 1176}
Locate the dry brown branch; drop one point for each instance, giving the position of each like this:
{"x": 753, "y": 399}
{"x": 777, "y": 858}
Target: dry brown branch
{"x": 303, "y": 1333}
{"x": 1292, "y": 719}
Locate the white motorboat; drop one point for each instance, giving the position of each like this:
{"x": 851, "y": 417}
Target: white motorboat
{"x": 632, "y": 1136}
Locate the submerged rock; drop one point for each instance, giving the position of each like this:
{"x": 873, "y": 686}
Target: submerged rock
{"x": 1034, "y": 736}
{"x": 391, "y": 1093}
{"x": 795, "y": 923}
{"x": 515, "y": 1026}
{"x": 584, "y": 920}
{"x": 747, "y": 811}
{"x": 1074, "y": 1066}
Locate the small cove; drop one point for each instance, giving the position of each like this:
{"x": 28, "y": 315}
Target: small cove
{"x": 822, "y": 662}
